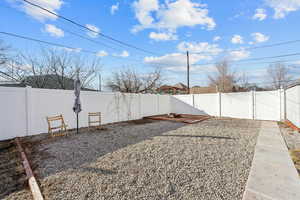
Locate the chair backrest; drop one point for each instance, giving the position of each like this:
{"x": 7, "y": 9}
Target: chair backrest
{"x": 58, "y": 118}
{"x": 94, "y": 115}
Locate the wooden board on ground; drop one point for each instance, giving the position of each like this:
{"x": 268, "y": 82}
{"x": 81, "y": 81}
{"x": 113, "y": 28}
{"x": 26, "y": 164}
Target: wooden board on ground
{"x": 33, "y": 185}
{"x": 184, "y": 118}
{"x": 291, "y": 125}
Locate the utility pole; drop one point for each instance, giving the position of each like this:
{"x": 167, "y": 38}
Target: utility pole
{"x": 188, "y": 71}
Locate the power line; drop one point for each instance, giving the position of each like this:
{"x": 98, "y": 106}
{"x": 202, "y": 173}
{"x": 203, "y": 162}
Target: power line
{"x": 58, "y": 45}
{"x": 72, "y": 48}
{"x": 91, "y": 40}
{"x": 82, "y": 26}
{"x": 252, "y": 59}
{"x": 94, "y": 52}
{"x": 207, "y": 53}
{"x": 77, "y": 35}
{"x": 46, "y": 42}
{"x": 278, "y": 61}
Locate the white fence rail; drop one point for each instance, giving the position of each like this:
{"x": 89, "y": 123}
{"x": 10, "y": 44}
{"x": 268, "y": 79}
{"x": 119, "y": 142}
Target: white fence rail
{"x": 23, "y": 111}
{"x": 267, "y": 105}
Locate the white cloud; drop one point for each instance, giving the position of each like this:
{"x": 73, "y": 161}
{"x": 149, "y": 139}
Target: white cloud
{"x": 177, "y": 61}
{"x": 296, "y": 62}
{"x": 200, "y": 47}
{"x": 114, "y": 8}
{"x": 260, "y": 14}
{"x": 37, "y": 13}
{"x": 238, "y": 55}
{"x": 259, "y": 37}
{"x": 54, "y": 31}
{"x": 143, "y": 12}
{"x": 237, "y": 39}
{"x": 95, "y": 30}
{"x": 196, "y": 69}
{"x": 217, "y": 38}
{"x": 102, "y": 53}
{"x": 171, "y": 15}
{"x": 283, "y": 7}
{"x": 174, "y": 61}
{"x": 124, "y": 54}
{"x": 76, "y": 50}
{"x": 162, "y": 36}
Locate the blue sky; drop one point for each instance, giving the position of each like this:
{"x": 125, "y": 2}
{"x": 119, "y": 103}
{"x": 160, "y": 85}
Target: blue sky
{"x": 167, "y": 28}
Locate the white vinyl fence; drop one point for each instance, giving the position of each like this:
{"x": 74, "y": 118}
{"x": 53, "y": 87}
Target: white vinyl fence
{"x": 23, "y": 111}
{"x": 267, "y": 105}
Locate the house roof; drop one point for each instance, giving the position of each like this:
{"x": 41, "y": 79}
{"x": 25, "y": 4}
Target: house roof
{"x": 180, "y": 86}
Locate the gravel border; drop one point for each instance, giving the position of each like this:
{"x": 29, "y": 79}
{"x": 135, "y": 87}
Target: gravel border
{"x": 159, "y": 160}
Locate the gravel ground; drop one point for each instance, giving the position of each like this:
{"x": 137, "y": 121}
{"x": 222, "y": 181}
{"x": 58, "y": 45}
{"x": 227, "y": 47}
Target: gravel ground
{"x": 159, "y": 160}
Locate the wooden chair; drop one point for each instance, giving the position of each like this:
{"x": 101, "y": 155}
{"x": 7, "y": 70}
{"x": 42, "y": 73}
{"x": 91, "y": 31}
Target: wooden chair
{"x": 92, "y": 115}
{"x": 62, "y": 127}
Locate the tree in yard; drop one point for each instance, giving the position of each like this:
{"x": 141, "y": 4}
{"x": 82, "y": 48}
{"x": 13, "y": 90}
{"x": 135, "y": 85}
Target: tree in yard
{"x": 53, "y": 69}
{"x": 129, "y": 81}
{"x": 244, "y": 81}
{"x": 224, "y": 78}
{"x": 3, "y": 53}
{"x": 279, "y": 75}
{"x": 64, "y": 65}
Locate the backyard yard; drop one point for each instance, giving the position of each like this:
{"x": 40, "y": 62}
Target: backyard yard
{"x": 147, "y": 160}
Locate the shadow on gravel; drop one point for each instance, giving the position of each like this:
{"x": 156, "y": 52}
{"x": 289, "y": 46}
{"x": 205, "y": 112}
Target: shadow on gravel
{"x": 199, "y": 136}
{"x": 72, "y": 152}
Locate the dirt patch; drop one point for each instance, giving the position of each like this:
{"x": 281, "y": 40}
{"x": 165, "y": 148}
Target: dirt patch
{"x": 295, "y": 155}
{"x": 12, "y": 174}
{"x": 141, "y": 121}
{"x": 292, "y": 140}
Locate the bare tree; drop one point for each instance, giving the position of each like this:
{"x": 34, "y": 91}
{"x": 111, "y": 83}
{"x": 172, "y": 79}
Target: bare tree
{"x": 244, "y": 81}
{"x": 224, "y": 78}
{"x": 53, "y": 69}
{"x": 278, "y": 73}
{"x": 3, "y": 53}
{"x": 129, "y": 81}
{"x": 64, "y": 65}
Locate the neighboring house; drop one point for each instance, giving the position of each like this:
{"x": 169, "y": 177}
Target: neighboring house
{"x": 202, "y": 90}
{"x": 179, "y": 88}
{"x": 48, "y": 81}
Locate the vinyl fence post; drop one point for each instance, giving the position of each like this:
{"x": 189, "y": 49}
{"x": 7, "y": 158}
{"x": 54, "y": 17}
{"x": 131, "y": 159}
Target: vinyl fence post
{"x": 28, "y": 109}
{"x": 284, "y": 104}
{"x": 193, "y": 100}
{"x": 158, "y": 104}
{"x": 140, "y": 106}
{"x": 220, "y": 104}
{"x": 253, "y": 103}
